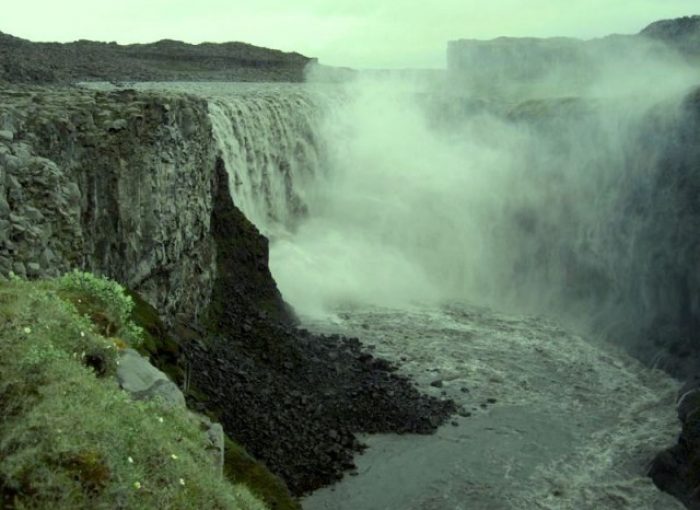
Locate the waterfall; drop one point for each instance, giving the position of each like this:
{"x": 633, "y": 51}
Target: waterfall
{"x": 574, "y": 208}
{"x": 270, "y": 145}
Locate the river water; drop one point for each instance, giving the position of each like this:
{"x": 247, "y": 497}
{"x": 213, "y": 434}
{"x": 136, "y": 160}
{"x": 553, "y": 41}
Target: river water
{"x": 549, "y": 420}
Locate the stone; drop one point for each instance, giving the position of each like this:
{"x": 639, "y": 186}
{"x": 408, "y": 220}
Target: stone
{"x": 4, "y": 206}
{"x": 19, "y": 269}
{"x": 118, "y": 125}
{"x": 143, "y": 381}
{"x": 32, "y": 214}
{"x": 5, "y": 229}
{"x": 215, "y": 435}
{"x": 33, "y": 270}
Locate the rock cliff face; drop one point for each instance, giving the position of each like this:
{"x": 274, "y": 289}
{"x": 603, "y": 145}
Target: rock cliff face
{"x": 522, "y": 67}
{"x": 132, "y": 186}
{"x": 683, "y": 33}
{"x": 119, "y": 184}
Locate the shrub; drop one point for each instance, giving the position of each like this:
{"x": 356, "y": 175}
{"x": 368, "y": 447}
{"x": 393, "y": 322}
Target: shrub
{"x": 104, "y": 301}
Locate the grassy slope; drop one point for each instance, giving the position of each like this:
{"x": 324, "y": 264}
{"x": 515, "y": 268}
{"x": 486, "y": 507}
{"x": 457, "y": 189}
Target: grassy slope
{"x": 69, "y": 437}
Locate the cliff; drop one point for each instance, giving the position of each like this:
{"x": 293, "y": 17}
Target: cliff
{"x": 682, "y": 33}
{"x": 131, "y": 185}
{"x": 523, "y": 67}
{"x": 79, "y": 190}
{"x": 23, "y": 61}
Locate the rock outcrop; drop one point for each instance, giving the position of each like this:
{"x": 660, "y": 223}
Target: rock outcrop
{"x": 523, "y": 67}
{"x": 118, "y": 184}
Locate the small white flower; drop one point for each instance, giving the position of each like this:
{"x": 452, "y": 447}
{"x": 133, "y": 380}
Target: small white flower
{"x": 131, "y": 461}
{"x": 27, "y": 329}
{"x": 182, "y": 481}
{"x": 173, "y": 456}
{"x": 137, "y": 485}
{"x": 82, "y": 334}
{"x": 160, "y": 419}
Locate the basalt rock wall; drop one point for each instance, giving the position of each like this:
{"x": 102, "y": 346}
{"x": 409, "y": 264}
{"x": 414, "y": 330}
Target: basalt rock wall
{"x": 118, "y": 183}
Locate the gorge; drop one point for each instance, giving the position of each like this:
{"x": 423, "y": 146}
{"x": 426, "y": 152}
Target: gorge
{"x": 513, "y": 268}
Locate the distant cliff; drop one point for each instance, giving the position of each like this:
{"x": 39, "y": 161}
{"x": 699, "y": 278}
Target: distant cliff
{"x": 23, "y": 61}
{"x": 524, "y": 67}
{"x": 683, "y": 33}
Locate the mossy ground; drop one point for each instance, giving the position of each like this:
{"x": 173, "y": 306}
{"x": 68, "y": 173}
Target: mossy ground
{"x": 69, "y": 437}
{"x": 239, "y": 466}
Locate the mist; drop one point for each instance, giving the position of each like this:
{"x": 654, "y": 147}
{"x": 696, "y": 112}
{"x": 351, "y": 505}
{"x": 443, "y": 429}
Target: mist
{"x": 558, "y": 194}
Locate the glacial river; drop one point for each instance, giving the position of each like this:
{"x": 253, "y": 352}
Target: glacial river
{"x": 549, "y": 420}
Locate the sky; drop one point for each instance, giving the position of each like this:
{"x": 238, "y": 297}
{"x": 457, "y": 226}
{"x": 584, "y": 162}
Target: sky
{"x": 354, "y": 33}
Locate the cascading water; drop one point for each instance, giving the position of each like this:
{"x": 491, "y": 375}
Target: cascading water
{"x": 271, "y": 147}
{"x": 376, "y": 199}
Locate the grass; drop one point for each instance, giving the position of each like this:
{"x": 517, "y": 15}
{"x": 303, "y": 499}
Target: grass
{"x": 69, "y": 437}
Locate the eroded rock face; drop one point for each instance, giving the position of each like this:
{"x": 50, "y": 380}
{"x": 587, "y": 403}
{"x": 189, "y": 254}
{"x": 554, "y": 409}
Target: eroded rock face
{"x": 115, "y": 183}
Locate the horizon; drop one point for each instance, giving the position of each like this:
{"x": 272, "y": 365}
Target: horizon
{"x": 359, "y": 34}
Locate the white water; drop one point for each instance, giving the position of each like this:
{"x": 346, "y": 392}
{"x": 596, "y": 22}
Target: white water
{"x": 271, "y": 147}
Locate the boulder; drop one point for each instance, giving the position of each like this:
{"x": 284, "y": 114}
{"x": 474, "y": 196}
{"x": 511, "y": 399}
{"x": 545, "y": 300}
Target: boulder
{"x": 144, "y": 381}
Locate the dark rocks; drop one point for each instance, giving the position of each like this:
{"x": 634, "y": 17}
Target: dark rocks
{"x": 303, "y": 425}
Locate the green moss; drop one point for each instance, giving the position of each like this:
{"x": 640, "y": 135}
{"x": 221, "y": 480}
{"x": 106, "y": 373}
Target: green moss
{"x": 239, "y": 467}
{"x": 69, "y": 439}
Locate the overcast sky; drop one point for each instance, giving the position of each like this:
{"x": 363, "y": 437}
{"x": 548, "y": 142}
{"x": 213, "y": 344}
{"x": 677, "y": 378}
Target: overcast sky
{"x": 356, "y": 33}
